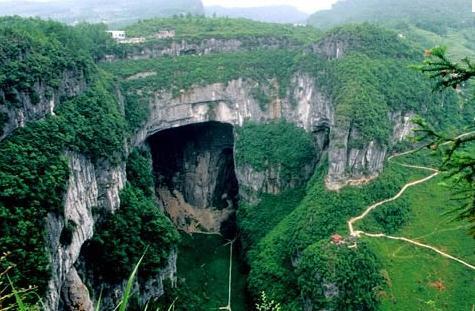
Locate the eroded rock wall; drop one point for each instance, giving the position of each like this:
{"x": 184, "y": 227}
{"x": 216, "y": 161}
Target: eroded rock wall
{"x": 306, "y": 105}
{"x": 88, "y": 186}
{"x": 39, "y": 103}
{"x": 173, "y": 48}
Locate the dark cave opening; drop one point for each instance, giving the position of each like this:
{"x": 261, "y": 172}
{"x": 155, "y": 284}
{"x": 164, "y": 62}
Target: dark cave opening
{"x": 195, "y": 176}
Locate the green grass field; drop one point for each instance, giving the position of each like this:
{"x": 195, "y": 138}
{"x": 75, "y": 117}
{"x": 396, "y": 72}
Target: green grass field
{"x": 420, "y": 279}
{"x": 459, "y": 46}
{"x": 203, "y": 263}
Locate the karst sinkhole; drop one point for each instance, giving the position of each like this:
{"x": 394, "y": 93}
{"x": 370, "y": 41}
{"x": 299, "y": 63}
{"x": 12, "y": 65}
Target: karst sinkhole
{"x": 196, "y": 184}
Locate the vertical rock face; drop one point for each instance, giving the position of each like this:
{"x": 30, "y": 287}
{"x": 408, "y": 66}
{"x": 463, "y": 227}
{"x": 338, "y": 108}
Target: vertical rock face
{"x": 81, "y": 197}
{"x": 28, "y": 108}
{"x": 403, "y": 126}
{"x": 252, "y": 182}
{"x": 110, "y": 180}
{"x": 352, "y": 165}
{"x": 88, "y": 187}
{"x": 203, "y": 47}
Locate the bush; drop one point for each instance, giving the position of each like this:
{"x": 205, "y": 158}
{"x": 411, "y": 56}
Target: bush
{"x": 278, "y": 143}
{"x": 66, "y": 236}
{"x": 139, "y": 171}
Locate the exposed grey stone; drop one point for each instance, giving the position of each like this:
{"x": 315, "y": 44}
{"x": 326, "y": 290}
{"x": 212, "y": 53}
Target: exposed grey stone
{"x": 72, "y": 83}
{"x": 81, "y": 197}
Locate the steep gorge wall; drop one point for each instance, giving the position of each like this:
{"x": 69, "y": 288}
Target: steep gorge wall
{"x": 89, "y": 186}
{"x": 173, "y": 48}
{"x": 19, "y": 107}
{"x": 350, "y": 161}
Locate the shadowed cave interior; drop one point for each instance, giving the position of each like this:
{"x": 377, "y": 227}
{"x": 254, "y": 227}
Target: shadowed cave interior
{"x": 195, "y": 176}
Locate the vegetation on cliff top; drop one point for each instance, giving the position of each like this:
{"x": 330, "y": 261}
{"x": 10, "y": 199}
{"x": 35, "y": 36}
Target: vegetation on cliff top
{"x": 372, "y": 79}
{"x": 197, "y": 28}
{"x": 428, "y": 23}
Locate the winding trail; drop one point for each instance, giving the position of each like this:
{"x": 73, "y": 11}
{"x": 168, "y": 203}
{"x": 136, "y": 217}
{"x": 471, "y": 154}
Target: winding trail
{"x": 359, "y": 233}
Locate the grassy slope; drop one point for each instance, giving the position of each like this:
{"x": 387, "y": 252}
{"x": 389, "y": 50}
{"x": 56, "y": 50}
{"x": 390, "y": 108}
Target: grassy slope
{"x": 459, "y": 46}
{"x": 411, "y": 270}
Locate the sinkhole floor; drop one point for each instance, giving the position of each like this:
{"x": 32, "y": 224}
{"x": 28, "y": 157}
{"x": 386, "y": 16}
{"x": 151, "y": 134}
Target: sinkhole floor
{"x": 203, "y": 264}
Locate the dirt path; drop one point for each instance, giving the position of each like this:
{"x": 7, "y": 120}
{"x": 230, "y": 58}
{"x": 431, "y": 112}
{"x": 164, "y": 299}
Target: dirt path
{"x": 358, "y": 233}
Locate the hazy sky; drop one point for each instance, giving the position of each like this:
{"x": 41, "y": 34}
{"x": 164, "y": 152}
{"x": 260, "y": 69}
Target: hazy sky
{"x": 308, "y": 6}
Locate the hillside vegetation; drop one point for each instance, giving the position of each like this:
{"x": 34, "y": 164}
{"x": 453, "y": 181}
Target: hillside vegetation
{"x": 436, "y": 16}
{"x": 428, "y": 23}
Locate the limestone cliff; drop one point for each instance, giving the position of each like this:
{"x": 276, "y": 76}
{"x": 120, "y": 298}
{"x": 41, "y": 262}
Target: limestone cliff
{"x": 89, "y": 186}
{"x": 174, "y": 48}
{"x": 28, "y": 107}
{"x": 306, "y": 105}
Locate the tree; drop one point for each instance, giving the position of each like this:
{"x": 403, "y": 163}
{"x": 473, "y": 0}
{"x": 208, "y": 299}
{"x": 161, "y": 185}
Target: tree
{"x": 458, "y": 150}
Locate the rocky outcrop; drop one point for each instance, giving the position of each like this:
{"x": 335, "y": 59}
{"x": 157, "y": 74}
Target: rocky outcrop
{"x": 403, "y": 125}
{"x": 74, "y": 294}
{"x": 173, "y": 48}
{"x": 331, "y": 47}
{"x": 253, "y": 182}
{"x": 350, "y": 165}
{"x": 110, "y": 180}
{"x": 233, "y": 103}
{"x": 89, "y": 186}
{"x": 19, "y": 107}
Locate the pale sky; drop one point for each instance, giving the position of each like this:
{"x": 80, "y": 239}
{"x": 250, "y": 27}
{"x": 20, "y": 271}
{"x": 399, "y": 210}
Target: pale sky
{"x": 309, "y": 6}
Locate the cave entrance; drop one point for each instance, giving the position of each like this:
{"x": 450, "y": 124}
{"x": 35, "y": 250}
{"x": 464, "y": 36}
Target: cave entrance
{"x": 195, "y": 176}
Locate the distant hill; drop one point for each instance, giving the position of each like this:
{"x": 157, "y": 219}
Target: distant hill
{"x": 433, "y": 15}
{"x": 429, "y": 22}
{"x": 272, "y": 14}
{"x": 112, "y": 12}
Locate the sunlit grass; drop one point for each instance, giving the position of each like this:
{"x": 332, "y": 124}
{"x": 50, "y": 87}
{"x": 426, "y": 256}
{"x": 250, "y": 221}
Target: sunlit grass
{"x": 420, "y": 279}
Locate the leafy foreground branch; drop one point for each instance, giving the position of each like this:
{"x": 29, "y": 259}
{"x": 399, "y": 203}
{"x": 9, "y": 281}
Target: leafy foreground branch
{"x": 458, "y": 151}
